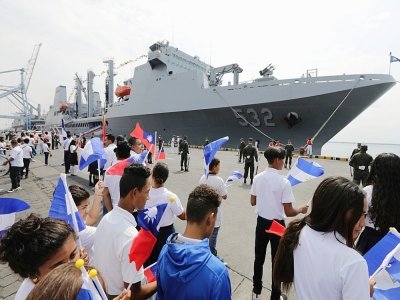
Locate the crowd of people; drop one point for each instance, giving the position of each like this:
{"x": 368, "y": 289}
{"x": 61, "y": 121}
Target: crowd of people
{"x": 345, "y": 220}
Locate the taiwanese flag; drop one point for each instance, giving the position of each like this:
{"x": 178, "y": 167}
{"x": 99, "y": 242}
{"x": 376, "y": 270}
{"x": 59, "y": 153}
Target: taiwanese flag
{"x": 147, "y": 138}
{"x": 149, "y": 220}
{"x": 119, "y": 167}
{"x": 161, "y": 154}
{"x": 151, "y": 272}
{"x": 276, "y": 228}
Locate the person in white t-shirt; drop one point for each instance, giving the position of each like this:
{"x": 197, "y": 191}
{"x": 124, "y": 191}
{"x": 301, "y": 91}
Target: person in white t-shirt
{"x": 34, "y": 246}
{"x": 3, "y": 146}
{"x": 17, "y": 162}
{"x": 27, "y": 156}
{"x": 109, "y": 147}
{"x": 111, "y": 182}
{"x": 218, "y": 184}
{"x": 272, "y": 195}
{"x": 90, "y": 216}
{"x": 159, "y": 195}
{"x": 116, "y": 232}
{"x": 316, "y": 253}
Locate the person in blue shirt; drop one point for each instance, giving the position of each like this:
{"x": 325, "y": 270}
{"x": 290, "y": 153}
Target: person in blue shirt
{"x": 186, "y": 267}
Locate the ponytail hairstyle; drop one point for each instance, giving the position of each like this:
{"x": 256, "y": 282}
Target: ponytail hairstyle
{"x": 160, "y": 173}
{"x": 337, "y": 205}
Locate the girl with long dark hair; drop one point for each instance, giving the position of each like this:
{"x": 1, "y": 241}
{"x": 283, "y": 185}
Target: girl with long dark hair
{"x": 383, "y": 196}
{"x": 316, "y": 253}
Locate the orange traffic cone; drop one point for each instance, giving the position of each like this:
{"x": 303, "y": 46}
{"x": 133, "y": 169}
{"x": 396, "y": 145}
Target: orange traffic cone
{"x": 276, "y": 228}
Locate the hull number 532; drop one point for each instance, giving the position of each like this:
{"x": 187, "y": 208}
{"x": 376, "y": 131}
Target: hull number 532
{"x": 254, "y": 118}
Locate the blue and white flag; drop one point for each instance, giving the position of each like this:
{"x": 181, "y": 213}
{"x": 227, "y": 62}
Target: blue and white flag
{"x": 91, "y": 288}
{"x": 210, "y": 150}
{"x": 304, "y": 171}
{"x": 63, "y": 206}
{"x": 394, "y": 59}
{"x": 63, "y": 131}
{"x": 93, "y": 151}
{"x": 236, "y": 175}
{"x": 8, "y": 208}
{"x": 383, "y": 262}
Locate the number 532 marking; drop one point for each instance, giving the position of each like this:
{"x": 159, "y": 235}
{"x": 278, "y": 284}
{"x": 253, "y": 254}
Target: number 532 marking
{"x": 251, "y": 115}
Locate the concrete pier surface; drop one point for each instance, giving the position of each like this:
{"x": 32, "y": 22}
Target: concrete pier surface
{"x": 236, "y": 237}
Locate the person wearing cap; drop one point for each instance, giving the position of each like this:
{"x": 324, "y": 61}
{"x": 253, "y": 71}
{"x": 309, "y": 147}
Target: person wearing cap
{"x": 361, "y": 162}
{"x": 249, "y": 155}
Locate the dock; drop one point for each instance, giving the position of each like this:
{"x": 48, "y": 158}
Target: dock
{"x": 235, "y": 243}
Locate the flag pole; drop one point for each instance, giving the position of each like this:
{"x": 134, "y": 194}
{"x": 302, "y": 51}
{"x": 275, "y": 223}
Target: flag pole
{"x": 98, "y": 167}
{"x": 390, "y": 61}
{"x": 155, "y": 148}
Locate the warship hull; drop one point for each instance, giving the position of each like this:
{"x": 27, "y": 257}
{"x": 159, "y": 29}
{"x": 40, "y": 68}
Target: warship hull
{"x": 268, "y": 117}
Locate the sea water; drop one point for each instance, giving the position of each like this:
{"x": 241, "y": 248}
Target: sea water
{"x": 344, "y": 149}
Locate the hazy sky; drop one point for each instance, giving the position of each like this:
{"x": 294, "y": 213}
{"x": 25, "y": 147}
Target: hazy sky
{"x": 334, "y": 36}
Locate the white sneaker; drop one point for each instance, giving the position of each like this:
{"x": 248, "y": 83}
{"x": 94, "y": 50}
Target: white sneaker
{"x": 18, "y": 188}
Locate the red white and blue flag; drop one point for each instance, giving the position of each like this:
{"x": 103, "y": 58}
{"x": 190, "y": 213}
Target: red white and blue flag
{"x": 151, "y": 272}
{"x": 119, "y": 167}
{"x": 149, "y": 221}
{"x": 161, "y": 154}
{"x": 8, "y": 208}
{"x": 148, "y": 138}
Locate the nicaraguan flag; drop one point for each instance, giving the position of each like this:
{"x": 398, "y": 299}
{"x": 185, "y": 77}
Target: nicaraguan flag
{"x": 93, "y": 151}
{"x": 151, "y": 272}
{"x": 304, "y": 171}
{"x": 386, "y": 294}
{"x": 63, "y": 131}
{"x": 394, "y": 59}
{"x": 236, "y": 175}
{"x": 377, "y": 254}
{"x": 149, "y": 220}
{"x": 8, "y": 208}
{"x": 90, "y": 290}
{"x": 63, "y": 206}
{"x": 210, "y": 150}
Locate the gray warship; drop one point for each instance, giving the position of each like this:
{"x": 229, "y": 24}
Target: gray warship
{"x": 174, "y": 93}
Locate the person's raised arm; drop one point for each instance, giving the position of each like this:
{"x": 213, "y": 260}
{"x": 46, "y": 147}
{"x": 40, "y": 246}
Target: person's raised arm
{"x": 94, "y": 213}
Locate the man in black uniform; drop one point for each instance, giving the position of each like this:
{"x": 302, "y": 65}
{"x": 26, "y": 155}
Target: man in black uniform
{"x": 184, "y": 150}
{"x": 241, "y": 147}
{"x": 249, "y": 155}
{"x": 356, "y": 150}
{"x": 361, "y": 162}
{"x": 289, "y": 153}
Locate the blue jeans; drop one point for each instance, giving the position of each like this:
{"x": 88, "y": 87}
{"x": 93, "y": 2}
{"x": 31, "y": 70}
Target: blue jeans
{"x": 213, "y": 241}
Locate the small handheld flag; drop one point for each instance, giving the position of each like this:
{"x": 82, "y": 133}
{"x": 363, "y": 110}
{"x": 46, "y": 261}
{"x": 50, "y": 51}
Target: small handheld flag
{"x": 149, "y": 220}
{"x": 147, "y": 138}
{"x": 304, "y": 171}
{"x": 161, "y": 154}
{"x": 210, "y": 150}
{"x": 93, "y": 151}
{"x": 8, "y": 208}
{"x": 119, "y": 167}
{"x": 276, "y": 228}
{"x": 63, "y": 131}
{"x": 63, "y": 206}
{"x": 91, "y": 287}
{"x": 236, "y": 175}
{"x": 151, "y": 272}
{"x": 394, "y": 59}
